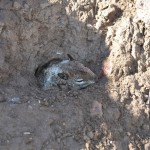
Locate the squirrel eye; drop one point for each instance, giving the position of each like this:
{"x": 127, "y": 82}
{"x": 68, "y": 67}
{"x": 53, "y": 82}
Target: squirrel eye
{"x": 79, "y": 80}
{"x": 63, "y": 76}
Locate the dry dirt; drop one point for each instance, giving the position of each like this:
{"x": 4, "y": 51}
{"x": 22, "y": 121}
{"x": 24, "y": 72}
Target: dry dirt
{"x": 112, "y": 38}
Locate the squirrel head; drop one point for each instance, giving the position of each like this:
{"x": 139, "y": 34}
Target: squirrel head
{"x": 74, "y": 73}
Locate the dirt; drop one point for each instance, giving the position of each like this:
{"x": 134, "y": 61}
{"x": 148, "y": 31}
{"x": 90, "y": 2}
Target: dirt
{"x": 109, "y": 37}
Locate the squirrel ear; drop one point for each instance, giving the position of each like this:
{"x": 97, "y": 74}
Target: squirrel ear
{"x": 70, "y": 57}
{"x": 63, "y": 75}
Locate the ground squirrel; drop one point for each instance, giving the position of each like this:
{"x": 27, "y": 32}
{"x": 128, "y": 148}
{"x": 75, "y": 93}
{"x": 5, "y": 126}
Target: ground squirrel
{"x": 69, "y": 72}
